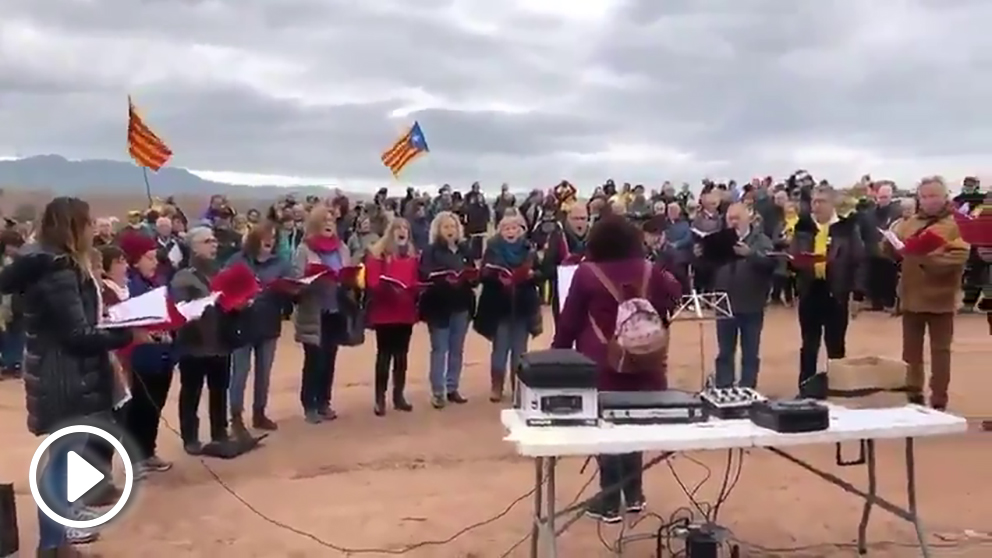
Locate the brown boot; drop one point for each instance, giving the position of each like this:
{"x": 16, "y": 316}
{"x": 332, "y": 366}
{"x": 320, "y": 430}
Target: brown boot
{"x": 238, "y": 429}
{"x": 260, "y": 421}
{"x": 496, "y": 386}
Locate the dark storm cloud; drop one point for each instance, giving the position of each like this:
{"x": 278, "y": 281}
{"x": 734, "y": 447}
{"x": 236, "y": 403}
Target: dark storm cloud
{"x": 307, "y": 87}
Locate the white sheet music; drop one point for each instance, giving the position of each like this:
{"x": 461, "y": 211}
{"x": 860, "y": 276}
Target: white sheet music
{"x": 565, "y": 275}
{"x": 193, "y": 309}
{"x": 309, "y": 279}
{"x": 148, "y": 309}
{"x": 152, "y": 308}
{"x": 122, "y": 398}
{"x": 892, "y": 239}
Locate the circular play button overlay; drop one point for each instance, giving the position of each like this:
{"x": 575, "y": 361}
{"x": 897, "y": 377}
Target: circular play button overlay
{"x": 64, "y": 472}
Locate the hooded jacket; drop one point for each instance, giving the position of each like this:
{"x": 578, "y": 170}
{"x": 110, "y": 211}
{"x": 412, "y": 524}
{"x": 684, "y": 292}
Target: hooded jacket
{"x": 67, "y": 368}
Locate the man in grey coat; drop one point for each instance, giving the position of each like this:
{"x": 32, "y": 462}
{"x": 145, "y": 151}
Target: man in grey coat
{"x": 746, "y": 279}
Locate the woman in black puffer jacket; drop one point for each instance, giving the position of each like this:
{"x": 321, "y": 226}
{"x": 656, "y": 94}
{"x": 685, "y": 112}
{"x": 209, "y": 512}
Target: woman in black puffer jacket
{"x": 68, "y": 373}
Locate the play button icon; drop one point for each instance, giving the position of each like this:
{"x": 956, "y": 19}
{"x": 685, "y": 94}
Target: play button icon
{"x": 80, "y": 477}
{"x": 61, "y": 476}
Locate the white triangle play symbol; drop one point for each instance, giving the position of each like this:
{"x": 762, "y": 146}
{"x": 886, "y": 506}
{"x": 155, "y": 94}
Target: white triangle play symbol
{"x": 80, "y": 476}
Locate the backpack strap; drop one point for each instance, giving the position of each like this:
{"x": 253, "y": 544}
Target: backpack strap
{"x": 646, "y": 281}
{"x": 611, "y": 288}
{"x": 605, "y": 281}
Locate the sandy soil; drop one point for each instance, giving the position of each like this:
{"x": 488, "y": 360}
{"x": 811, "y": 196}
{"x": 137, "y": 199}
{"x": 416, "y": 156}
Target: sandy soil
{"x": 364, "y": 481}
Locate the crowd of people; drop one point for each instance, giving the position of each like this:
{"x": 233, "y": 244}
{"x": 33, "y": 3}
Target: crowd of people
{"x": 458, "y": 263}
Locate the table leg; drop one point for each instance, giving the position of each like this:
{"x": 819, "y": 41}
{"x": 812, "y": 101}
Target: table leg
{"x": 535, "y": 531}
{"x": 551, "y": 512}
{"x": 870, "y": 497}
{"x": 911, "y": 496}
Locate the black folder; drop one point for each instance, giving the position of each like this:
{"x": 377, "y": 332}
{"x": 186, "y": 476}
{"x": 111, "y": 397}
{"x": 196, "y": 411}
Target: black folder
{"x": 718, "y": 246}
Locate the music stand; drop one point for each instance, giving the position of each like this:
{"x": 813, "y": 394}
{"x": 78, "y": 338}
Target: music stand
{"x": 701, "y": 308}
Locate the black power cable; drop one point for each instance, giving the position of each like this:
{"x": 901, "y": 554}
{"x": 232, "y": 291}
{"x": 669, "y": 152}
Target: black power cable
{"x": 347, "y": 551}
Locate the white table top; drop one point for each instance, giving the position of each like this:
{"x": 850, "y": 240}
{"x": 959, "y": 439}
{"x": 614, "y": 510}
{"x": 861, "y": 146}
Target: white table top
{"x": 845, "y": 425}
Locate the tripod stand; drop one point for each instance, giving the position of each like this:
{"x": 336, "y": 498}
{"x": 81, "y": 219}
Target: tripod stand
{"x": 702, "y": 308}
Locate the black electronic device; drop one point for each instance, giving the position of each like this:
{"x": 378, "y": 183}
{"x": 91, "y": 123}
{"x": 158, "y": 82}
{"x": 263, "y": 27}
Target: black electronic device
{"x": 701, "y": 543}
{"x": 556, "y": 387}
{"x": 791, "y": 416}
{"x": 730, "y": 403}
{"x": 651, "y": 407}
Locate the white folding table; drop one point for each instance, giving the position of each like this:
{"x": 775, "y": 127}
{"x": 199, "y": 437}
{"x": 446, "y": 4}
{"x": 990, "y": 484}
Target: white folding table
{"x": 865, "y": 426}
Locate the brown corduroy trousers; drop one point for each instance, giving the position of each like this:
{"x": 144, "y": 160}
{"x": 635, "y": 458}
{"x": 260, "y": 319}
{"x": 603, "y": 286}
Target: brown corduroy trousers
{"x": 940, "y": 327}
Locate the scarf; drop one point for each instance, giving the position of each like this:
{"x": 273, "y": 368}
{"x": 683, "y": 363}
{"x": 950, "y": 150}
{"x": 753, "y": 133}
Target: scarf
{"x": 323, "y": 244}
{"x": 574, "y": 243}
{"x": 511, "y": 254}
{"x": 121, "y": 291}
{"x": 205, "y": 267}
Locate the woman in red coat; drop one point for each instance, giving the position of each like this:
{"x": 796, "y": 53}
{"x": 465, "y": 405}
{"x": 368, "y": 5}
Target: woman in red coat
{"x": 391, "y": 281}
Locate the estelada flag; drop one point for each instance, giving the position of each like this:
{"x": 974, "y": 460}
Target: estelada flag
{"x": 146, "y": 148}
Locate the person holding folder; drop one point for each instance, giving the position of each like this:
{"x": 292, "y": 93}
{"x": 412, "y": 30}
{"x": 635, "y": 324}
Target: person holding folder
{"x": 934, "y": 257}
{"x": 566, "y": 246}
{"x": 392, "y": 283}
{"x": 747, "y": 279}
{"x": 829, "y": 257}
{"x": 447, "y": 305}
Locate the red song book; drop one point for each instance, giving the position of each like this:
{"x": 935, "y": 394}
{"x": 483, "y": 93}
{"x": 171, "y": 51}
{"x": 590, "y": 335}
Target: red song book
{"x": 347, "y": 275}
{"x": 923, "y": 243}
{"x": 509, "y": 276}
{"x": 237, "y": 286}
{"x": 976, "y": 231}
{"x": 468, "y": 274}
{"x": 807, "y": 259}
{"x": 396, "y": 283}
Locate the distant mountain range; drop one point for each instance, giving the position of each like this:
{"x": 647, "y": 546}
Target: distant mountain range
{"x": 59, "y": 175}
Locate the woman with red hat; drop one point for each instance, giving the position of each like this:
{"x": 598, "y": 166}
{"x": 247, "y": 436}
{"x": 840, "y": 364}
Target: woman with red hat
{"x": 150, "y": 364}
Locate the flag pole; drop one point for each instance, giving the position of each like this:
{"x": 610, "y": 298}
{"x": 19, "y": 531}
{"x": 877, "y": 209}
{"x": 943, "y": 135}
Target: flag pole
{"x": 148, "y": 186}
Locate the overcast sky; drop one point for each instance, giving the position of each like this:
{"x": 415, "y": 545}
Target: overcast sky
{"x": 525, "y": 92}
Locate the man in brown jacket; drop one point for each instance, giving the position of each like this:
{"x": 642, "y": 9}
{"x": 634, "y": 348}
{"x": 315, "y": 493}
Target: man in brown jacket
{"x": 929, "y": 290}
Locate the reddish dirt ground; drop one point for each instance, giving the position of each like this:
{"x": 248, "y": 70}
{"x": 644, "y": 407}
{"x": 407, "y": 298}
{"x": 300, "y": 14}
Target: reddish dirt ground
{"x": 364, "y": 481}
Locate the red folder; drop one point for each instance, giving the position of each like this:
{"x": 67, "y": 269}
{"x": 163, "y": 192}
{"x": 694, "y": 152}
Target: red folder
{"x": 508, "y": 276}
{"x": 347, "y": 275}
{"x": 923, "y": 243}
{"x": 976, "y": 231}
{"x": 237, "y": 286}
{"x": 467, "y": 275}
{"x": 806, "y": 260}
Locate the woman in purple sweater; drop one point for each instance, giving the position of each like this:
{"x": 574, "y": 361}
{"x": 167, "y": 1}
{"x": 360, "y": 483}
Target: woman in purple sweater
{"x": 617, "y": 248}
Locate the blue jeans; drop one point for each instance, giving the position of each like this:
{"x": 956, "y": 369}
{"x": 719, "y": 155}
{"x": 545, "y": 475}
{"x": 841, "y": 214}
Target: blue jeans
{"x": 747, "y": 328}
{"x": 12, "y": 349}
{"x": 319, "y": 362}
{"x": 265, "y": 356}
{"x": 447, "y": 347}
{"x": 509, "y": 342}
{"x": 54, "y": 487}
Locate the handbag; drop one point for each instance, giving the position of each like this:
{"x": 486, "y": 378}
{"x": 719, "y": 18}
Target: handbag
{"x": 353, "y": 308}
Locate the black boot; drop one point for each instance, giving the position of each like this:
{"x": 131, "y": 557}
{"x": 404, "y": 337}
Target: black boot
{"x": 400, "y": 403}
{"x": 399, "y": 384}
